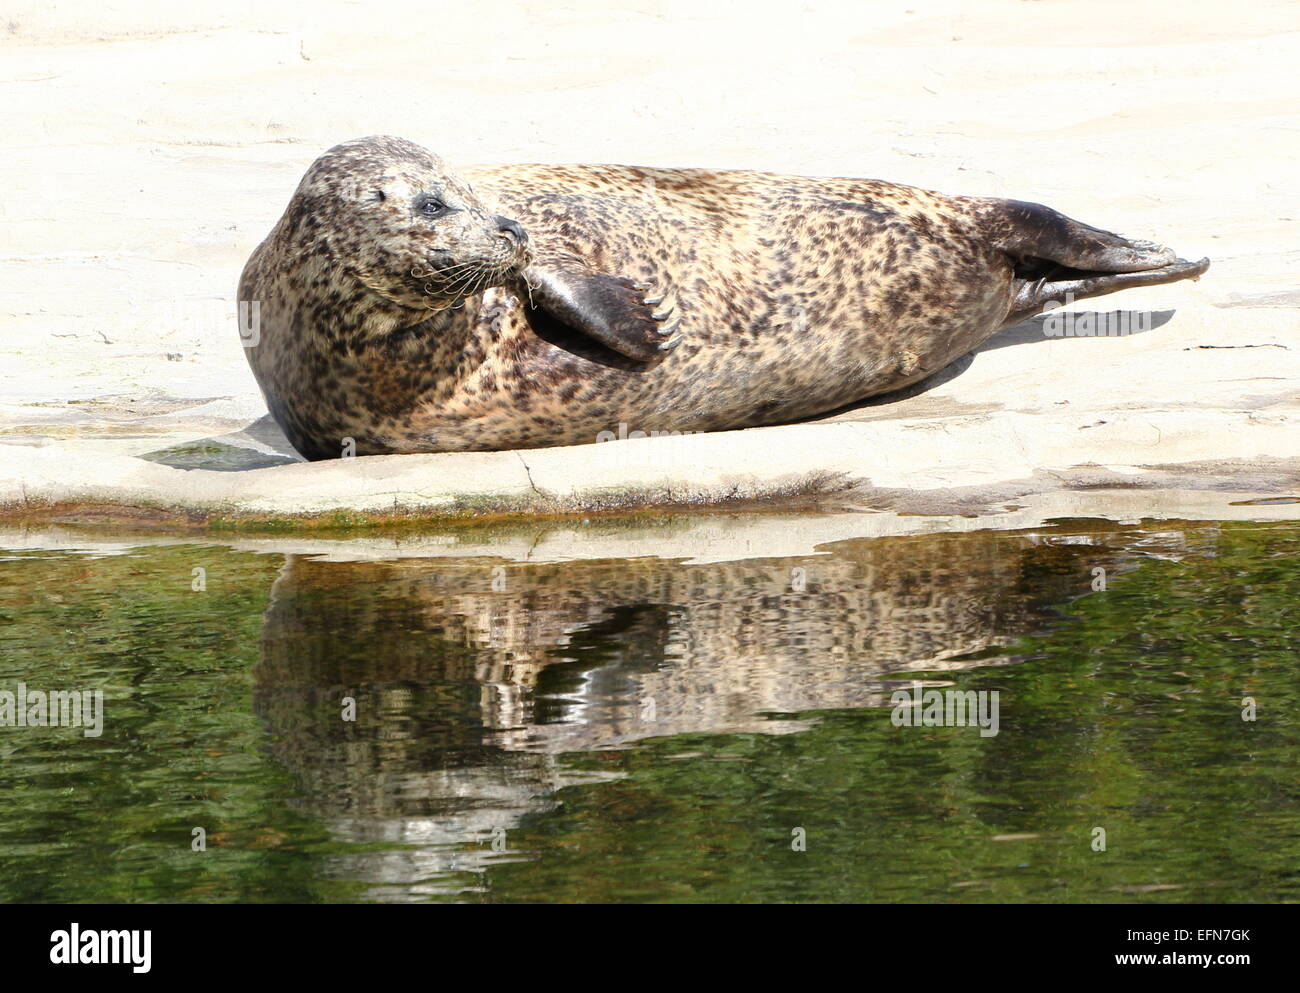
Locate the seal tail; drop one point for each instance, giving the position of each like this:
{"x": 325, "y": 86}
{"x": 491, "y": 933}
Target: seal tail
{"x": 1056, "y": 256}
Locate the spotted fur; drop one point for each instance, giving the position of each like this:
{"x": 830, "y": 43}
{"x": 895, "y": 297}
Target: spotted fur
{"x": 408, "y": 332}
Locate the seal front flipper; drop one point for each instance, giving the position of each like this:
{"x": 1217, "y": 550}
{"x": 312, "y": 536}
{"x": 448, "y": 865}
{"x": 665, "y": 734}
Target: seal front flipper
{"x": 613, "y": 310}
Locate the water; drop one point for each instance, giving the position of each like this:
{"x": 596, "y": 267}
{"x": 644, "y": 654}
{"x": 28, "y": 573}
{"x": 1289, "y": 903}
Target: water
{"x": 652, "y": 729}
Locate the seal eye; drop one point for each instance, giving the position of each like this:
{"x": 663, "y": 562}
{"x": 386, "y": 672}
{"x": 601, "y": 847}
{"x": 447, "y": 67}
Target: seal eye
{"x": 430, "y": 206}
{"x": 377, "y": 196}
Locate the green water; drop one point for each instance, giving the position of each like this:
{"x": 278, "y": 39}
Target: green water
{"x": 658, "y": 730}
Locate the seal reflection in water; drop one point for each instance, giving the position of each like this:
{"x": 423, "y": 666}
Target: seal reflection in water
{"x": 413, "y": 309}
{"x": 473, "y": 702}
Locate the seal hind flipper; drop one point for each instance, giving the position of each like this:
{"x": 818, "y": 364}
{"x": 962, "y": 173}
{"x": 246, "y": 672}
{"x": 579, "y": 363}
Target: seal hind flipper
{"x": 1056, "y": 257}
{"x": 1033, "y": 231}
{"x": 1067, "y": 286}
{"x": 611, "y": 309}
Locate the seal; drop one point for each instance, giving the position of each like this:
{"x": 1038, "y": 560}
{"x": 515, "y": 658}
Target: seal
{"x": 400, "y": 309}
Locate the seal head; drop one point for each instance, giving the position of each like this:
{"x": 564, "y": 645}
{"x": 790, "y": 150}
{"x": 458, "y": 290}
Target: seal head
{"x": 392, "y": 215}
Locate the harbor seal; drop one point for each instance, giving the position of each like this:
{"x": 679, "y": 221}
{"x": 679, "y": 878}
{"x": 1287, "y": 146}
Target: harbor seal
{"x": 404, "y": 307}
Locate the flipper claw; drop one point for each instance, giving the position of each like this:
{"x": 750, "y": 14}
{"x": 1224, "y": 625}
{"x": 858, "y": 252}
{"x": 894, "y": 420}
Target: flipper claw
{"x": 671, "y": 343}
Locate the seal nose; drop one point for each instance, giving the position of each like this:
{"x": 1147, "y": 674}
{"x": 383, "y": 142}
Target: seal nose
{"x": 511, "y": 229}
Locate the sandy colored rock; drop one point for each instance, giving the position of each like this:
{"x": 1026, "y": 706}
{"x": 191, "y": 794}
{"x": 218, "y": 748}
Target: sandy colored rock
{"x": 150, "y": 150}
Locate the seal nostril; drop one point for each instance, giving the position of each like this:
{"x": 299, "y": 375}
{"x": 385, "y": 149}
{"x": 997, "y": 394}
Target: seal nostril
{"x": 511, "y": 229}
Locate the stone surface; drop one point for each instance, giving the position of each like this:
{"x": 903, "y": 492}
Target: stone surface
{"x": 149, "y": 150}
